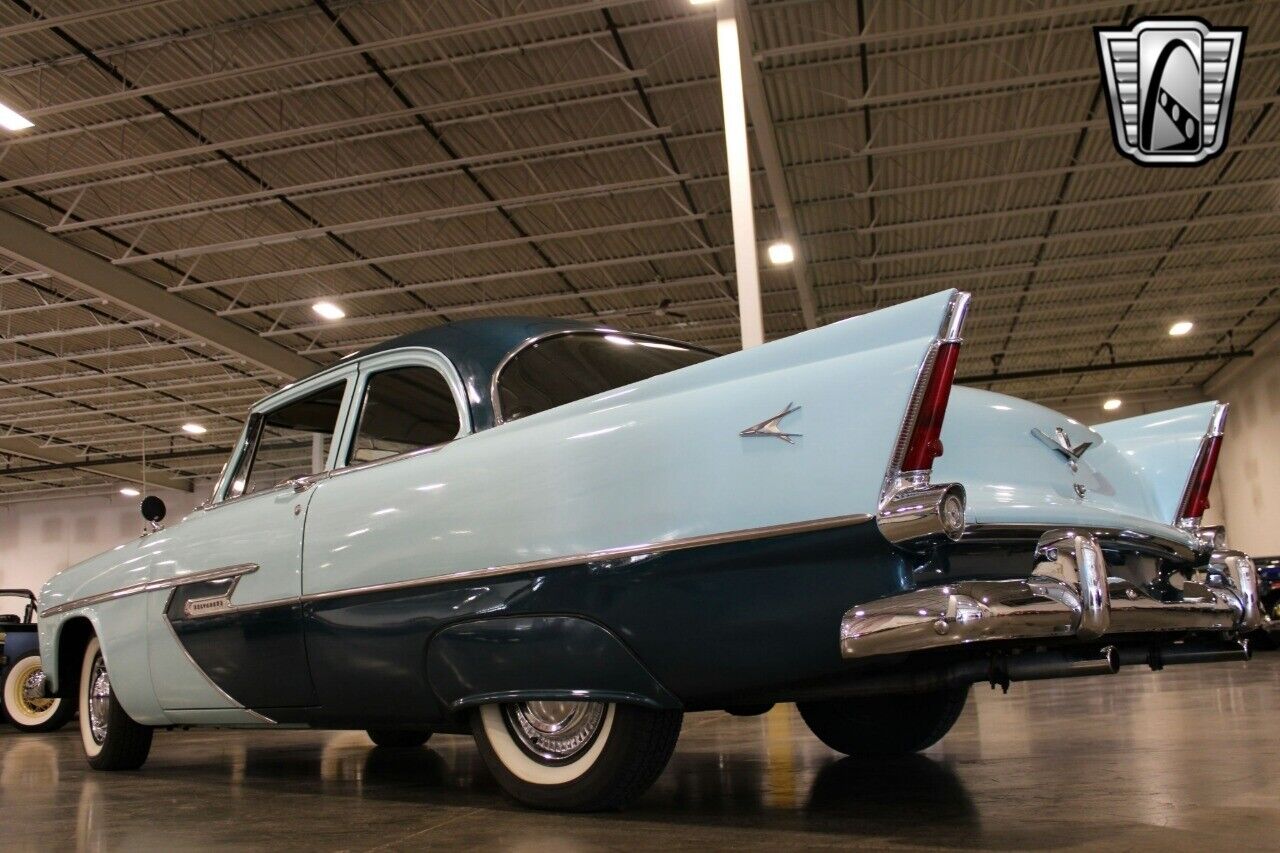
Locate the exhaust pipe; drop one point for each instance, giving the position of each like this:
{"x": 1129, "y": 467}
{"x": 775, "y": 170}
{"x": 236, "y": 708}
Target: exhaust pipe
{"x": 1158, "y": 657}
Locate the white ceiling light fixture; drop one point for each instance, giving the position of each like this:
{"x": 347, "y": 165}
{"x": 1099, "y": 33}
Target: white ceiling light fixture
{"x": 781, "y": 253}
{"x": 11, "y": 119}
{"x": 702, "y": 2}
{"x": 194, "y": 428}
{"x": 1113, "y": 404}
{"x": 328, "y": 310}
{"x": 1181, "y": 327}
{"x": 130, "y": 492}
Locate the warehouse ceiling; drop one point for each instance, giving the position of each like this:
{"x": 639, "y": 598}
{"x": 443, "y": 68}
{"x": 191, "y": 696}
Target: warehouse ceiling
{"x": 417, "y": 162}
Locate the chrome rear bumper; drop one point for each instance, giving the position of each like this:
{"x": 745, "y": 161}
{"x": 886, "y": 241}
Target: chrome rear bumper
{"x": 1067, "y": 595}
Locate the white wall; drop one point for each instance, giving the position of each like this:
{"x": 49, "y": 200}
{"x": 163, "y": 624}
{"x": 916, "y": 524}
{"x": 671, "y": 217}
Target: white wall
{"x": 1247, "y": 482}
{"x": 40, "y": 538}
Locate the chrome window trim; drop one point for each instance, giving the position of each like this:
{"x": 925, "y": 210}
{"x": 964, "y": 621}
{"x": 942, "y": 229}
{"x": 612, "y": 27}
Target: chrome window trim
{"x": 601, "y": 331}
{"x": 345, "y": 373}
{"x": 232, "y": 571}
{"x": 639, "y": 550}
{"x": 380, "y": 362}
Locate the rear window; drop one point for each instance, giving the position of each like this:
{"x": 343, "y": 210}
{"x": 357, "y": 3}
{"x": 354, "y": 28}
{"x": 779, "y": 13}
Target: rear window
{"x": 561, "y": 369}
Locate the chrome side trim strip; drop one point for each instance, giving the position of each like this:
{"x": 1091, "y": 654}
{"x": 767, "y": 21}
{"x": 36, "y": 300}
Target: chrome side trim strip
{"x": 219, "y": 573}
{"x": 646, "y": 549}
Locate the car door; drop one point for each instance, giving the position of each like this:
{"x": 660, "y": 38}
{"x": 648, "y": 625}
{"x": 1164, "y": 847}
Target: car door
{"x": 366, "y": 522}
{"x": 225, "y": 622}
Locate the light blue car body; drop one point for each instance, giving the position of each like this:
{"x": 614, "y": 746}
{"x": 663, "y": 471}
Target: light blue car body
{"x": 658, "y": 461}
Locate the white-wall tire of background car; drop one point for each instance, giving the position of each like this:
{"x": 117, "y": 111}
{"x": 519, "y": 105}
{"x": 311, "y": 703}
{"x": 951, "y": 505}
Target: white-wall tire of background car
{"x": 627, "y": 749}
{"x": 120, "y": 743}
{"x": 26, "y": 713}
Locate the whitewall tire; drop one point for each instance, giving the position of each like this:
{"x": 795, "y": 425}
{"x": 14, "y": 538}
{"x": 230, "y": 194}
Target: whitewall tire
{"x": 575, "y": 756}
{"x": 112, "y": 740}
{"x": 24, "y": 703}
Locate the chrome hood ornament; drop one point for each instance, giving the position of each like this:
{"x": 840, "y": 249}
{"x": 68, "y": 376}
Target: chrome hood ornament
{"x": 772, "y": 427}
{"x": 1061, "y": 442}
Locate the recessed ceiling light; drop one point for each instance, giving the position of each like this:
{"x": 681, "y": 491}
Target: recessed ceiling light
{"x": 130, "y": 492}
{"x": 1181, "y": 328}
{"x": 1112, "y": 404}
{"x": 194, "y": 428}
{"x": 11, "y": 120}
{"x": 781, "y": 253}
{"x": 702, "y": 2}
{"x": 328, "y": 310}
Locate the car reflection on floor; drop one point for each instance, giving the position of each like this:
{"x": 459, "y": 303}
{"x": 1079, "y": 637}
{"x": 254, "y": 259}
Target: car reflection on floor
{"x": 1146, "y": 759}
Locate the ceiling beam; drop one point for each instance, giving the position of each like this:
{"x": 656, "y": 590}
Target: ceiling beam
{"x": 132, "y": 471}
{"x": 771, "y": 159}
{"x": 30, "y": 243}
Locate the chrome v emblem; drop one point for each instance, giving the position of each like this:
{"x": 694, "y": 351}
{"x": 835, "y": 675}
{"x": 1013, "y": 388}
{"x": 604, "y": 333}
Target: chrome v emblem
{"x": 772, "y": 427}
{"x": 1061, "y": 442}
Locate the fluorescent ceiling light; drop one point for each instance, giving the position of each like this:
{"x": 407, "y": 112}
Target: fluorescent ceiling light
{"x": 194, "y": 428}
{"x": 1112, "y": 404}
{"x": 11, "y": 120}
{"x": 702, "y": 2}
{"x": 328, "y": 310}
{"x": 781, "y": 253}
{"x": 130, "y": 492}
{"x": 1181, "y": 328}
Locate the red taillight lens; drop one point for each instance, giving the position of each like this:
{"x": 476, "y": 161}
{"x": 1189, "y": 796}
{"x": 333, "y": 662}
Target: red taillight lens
{"x": 926, "y": 443}
{"x": 1197, "y": 497}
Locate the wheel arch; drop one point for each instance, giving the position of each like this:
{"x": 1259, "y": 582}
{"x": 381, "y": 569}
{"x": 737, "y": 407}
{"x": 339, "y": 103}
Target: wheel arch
{"x": 70, "y": 641}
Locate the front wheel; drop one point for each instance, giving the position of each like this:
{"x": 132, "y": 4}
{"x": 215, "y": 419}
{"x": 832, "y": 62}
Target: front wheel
{"x": 25, "y": 704}
{"x": 880, "y": 726}
{"x": 575, "y": 756}
{"x": 111, "y": 738}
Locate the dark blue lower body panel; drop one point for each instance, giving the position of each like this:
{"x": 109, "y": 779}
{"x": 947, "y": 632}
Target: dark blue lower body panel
{"x": 695, "y": 628}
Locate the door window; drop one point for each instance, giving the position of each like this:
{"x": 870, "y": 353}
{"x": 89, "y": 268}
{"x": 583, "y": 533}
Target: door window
{"x": 404, "y": 408}
{"x": 291, "y": 441}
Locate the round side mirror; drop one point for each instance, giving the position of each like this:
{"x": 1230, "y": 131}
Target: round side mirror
{"x": 153, "y": 509}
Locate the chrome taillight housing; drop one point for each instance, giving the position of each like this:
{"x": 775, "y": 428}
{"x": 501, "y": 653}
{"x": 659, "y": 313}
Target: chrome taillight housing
{"x": 1195, "y": 497}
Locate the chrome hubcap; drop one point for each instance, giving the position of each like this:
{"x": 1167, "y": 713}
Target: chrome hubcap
{"x": 33, "y": 698}
{"x": 99, "y": 699}
{"x": 554, "y": 732}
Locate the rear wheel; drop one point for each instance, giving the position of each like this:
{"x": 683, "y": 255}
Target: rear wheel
{"x": 25, "y": 704}
{"x": 878, "y": 726}
{"x": 575, "y": 756}
{"x": 111, "y": 738}
{"x": 398, "y": 738}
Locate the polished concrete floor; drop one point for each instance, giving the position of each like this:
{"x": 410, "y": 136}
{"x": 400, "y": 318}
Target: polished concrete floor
{"x": 1187, "y": 759}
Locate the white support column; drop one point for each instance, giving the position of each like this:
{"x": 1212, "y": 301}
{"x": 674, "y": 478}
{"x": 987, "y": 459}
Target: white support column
{"x": 735, "y": 139}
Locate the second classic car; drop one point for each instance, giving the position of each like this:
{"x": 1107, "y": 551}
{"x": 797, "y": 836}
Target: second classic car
{"x": 560, "y": 538}
{"x": 22, "y": 699}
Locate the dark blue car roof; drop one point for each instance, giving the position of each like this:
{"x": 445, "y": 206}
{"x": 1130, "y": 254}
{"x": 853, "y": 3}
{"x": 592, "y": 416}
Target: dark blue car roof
{"x": 477, "y": 348}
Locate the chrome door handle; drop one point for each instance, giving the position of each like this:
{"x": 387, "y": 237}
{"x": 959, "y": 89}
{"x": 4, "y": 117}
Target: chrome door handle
{"x": 302, "y": 483}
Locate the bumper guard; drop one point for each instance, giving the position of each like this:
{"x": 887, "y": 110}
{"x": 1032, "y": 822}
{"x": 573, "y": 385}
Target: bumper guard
{"x": 1068, "y": 595}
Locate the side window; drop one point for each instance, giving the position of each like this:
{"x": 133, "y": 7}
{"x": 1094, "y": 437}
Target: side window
{"x": 404, "y": 408}
{"x": 291, "y": 441}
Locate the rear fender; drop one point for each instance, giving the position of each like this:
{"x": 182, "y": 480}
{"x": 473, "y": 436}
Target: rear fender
{"x": 1162, "y": 447}
{"x": 523, "y": 658}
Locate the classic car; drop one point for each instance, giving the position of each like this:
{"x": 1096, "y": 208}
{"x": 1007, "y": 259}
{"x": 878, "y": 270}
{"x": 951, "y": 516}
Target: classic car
{"x": 1269, "y": 594}
{"x": 559, "y": 538}
{"x": 22, "y": 695}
